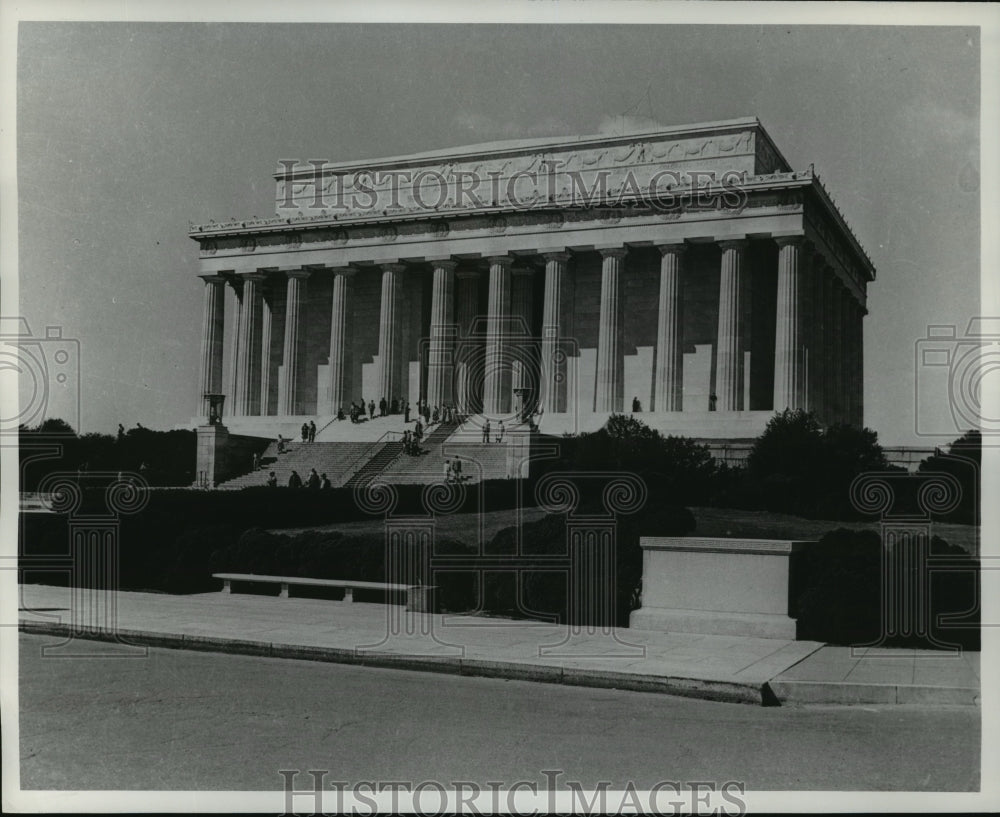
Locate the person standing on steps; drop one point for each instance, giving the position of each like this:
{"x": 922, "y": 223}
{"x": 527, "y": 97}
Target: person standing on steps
{"x": 313, "y": 482}
{"x": 324, "y": 482}
{"x": 272, "y": 480}
{"x": 305, "y": 432}
{"x": 295, "y": 481}
{"x": 500, "y": 432}
{"x": 406, "y": 413}
{"x": 371, "y": 409}
{"x": 486, "y": 432}
{"x": 312, "y": 431}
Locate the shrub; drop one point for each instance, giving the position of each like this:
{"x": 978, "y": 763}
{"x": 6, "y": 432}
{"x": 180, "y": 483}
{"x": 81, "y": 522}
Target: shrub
{"x": 797, "y": 467}
{"x": 837, "y": 592}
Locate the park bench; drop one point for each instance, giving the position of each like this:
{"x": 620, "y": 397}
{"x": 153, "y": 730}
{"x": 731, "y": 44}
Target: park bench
{"x": 417, "y": 595}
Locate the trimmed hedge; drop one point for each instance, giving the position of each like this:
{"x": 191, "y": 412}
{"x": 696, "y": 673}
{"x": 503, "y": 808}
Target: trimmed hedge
{"x": 837, "y": 591}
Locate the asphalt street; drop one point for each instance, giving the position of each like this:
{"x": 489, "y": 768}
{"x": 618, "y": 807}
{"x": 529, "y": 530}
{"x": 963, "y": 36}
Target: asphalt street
{"x": 190, "y": 720}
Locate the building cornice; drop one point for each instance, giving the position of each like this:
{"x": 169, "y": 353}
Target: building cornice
{"x": 525, "y": 147}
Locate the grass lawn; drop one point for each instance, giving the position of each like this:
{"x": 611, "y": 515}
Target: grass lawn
{"x": 465, "y": 527}
{"x": 725, "y": 522}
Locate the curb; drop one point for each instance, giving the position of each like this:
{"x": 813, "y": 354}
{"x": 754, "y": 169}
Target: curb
{"x": 725, "y": 691}
{"x": 843, "y": 692}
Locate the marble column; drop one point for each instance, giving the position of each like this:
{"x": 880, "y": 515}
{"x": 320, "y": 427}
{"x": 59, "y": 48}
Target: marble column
{"x": 390, "y": 334}
{"x": 553, "y": 396}
{"x": 829, "y": 341}
{"x": 854, "y": 380}
{"x": 789, "y": 379}
{"x": 337, "y": 361}
{"x": 817, "y": 337}
{"x": 440, "y": 358}
{"x": 469, "y": 353}
{"x": 667, "y": 379}
{"x": 213, "y": 327}
{"x": 248, "y": 346}
{"x": 521, "y": 308}
{"x": 266, "y": 341}
{"x": 729, "y": 349}
{"x": 838, "y": 413}
{"x": 496, "y": 373}
{"x": 862, "y": 311}
{"x": 288, "y": 399}
{"x": 609, "y": 375}
{"x": 236, "y": 309}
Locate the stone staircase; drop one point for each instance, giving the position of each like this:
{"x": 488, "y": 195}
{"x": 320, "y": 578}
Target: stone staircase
{"x": 479, "y": 461}
{"x": 336, "y": 460}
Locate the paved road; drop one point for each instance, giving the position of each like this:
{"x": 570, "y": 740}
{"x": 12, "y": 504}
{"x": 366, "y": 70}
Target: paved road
{"x": 188, "y": 720}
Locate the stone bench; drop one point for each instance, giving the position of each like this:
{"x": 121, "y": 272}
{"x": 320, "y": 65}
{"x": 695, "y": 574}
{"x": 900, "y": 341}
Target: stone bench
{"x": 418, "y": 596}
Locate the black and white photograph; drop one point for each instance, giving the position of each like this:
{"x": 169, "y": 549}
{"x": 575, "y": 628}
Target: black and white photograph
{"x": 524, "y": 407}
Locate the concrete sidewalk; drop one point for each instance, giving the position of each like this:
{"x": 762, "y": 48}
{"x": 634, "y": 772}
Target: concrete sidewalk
{"x": 746, "y": 670}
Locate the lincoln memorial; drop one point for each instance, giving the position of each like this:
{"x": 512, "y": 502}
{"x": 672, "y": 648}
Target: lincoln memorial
{"x": 688, "y": 273}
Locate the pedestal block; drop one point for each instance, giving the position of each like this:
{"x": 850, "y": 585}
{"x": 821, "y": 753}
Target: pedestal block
{"x": 212, "y": 465}
{"x": 716, "y": 586}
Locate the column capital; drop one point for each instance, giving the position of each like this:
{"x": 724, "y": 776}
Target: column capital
{"x": 671, "y": 247}
{"x": 612, "y": 252}
{"x": 799, "y": 241}
{"x": 500, "y": 260}
{"x": 213, "y": 278}
{"x": 298, "y": 273}
{"x": 733, "y": 244}
{"x": 562, "y": 256}
{"x": 393, "y": 266}
{"x": 443, "y": 263}
{"x": 255, "y": 275}
{"x": 347, "y": 270}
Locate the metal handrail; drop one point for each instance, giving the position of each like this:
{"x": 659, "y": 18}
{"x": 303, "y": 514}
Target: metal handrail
{"x": 367, "y": 454}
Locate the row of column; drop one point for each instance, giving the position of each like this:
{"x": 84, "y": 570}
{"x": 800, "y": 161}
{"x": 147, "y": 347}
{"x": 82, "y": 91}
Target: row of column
{"x": 817, "y": 353}
{"x": 818, "y": 337}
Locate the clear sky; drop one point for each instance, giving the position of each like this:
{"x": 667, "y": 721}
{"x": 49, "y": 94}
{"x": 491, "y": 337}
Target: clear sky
{"x": 128, "y": 131}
